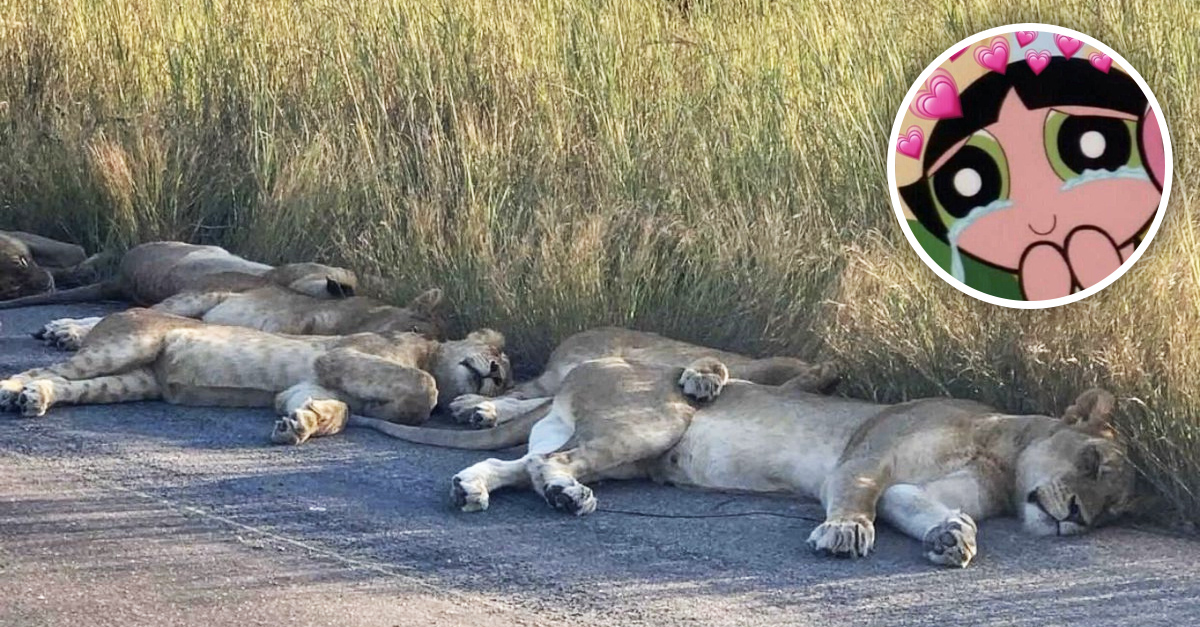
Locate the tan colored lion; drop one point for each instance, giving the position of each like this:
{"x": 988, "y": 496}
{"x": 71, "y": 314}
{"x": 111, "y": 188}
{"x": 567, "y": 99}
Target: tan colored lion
{"x": 930, "y": 468}
{"x": 31, "y": 264}
{"x": 210, "y": 284}
{"x": 313, "y": 382}
{"x": 506, "y": 420}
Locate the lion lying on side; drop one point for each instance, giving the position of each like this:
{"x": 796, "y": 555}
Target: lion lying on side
{"x": 31, "y": 264}
{"x": 313, "y": 382}
{"x": 512, "y": 415}
{"x": 930, "y": 468}
{"x": 210, "y": 284}
{"x": 153, "y": 272}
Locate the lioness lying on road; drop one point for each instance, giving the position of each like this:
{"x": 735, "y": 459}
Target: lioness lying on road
{"x": 277, "y": 309}
{"x": 210, "y": 284}
{"x": 151, "y": 273}
{"x": 313, "y": 382}
{"x": 930, "y": 468}
{"x": 31, "y": 264}
{"x": 512, "y": 415}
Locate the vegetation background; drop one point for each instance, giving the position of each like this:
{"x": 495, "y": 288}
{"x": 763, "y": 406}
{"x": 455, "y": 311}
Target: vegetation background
{"x": 710, "y": 170}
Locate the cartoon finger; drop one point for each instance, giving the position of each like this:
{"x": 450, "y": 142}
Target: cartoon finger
{"x": 1092, "y": 255}
{"x": 1045, "y": 273}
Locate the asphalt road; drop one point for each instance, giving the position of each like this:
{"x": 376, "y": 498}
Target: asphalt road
{"x": 150, "y": 514}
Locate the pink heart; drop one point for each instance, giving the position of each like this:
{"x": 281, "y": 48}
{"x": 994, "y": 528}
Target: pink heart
{"x": 995, "y": 57}
{"x": 910, "y": 143}
{"x": 1068, "y": 45}
{"x": 1025, "y": 37}
{"x": 1037, "y": 60}
{"x": 939, "y": 98}
{"x": 1100, "y": 61}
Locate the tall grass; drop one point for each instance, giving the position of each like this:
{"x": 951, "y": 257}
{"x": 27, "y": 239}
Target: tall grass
{"x": 711, "y": 170}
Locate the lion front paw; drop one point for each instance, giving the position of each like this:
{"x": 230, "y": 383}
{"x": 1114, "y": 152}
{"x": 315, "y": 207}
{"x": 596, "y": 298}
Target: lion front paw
{"x": 568, "y": 495}
{"x": 704, "y": 379}
{"x": 843, "y": 538}
{"x": 952, "y": 543}
{"x": 35, "y": 398}
{"x": 475, "y": 410}
{"x": 469, "y": 495}
{"x": 295, "y": 428}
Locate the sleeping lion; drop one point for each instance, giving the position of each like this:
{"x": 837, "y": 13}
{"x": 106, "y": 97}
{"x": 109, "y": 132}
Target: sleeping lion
{"x": 314, "y": 382}
{"x": 930, "y": 468}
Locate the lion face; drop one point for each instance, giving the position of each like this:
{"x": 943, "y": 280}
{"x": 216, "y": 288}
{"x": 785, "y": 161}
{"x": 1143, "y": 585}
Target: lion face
{"x": 19, "y": 274}
{"x": 1072, "y": 481}
{"x": 475, "y": 365}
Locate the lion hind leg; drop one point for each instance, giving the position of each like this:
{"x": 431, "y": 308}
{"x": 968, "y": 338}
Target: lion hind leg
{"x": 482, "y": 412}
{"x": 308, "y": 410}
{"x": 192, "y": 304}
{"x": 471, "y": 488}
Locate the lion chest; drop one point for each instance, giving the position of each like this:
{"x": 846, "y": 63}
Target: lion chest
{"x": 212, "y": 357}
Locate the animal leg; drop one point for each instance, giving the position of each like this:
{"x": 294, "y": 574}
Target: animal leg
{"x": 192, "y": 304}
{"x": 66, "y": 333}
{"x": 390, "y": 391}
{"x": 849, "y": 495}
{"x": 941, "y": 514}
{"x": 38, "y": 395}
{"x": 482, "y": 412}
{"x": 781, "y": 370}
{"x": 471, "y": 487}
{"x": 308, "y": 410}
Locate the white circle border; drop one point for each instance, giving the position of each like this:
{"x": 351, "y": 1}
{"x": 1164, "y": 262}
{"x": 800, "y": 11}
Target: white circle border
{"x": 898, "y": 206}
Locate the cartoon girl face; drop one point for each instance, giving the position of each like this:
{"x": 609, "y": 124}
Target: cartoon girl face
{"x": 1042, "y": 176}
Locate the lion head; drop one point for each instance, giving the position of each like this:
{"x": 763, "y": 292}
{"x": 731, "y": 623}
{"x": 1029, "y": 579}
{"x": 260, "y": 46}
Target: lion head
{"x": 19, "y": 273}
{"x": 475, "y": 365}
{"x": 1077, "y": 477}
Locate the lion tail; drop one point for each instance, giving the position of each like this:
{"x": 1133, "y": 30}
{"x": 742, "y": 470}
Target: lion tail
{"x": 509, "y": 434}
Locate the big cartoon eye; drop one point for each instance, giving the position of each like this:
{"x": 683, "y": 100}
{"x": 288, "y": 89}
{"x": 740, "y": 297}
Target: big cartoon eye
{"x": 975, "y": 176}
{"x": 1076, "y": 143}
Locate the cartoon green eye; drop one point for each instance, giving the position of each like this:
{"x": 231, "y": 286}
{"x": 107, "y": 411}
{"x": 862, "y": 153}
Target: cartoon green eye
{"x": 1077, "y": 143}
{"x": 976, "y": 176}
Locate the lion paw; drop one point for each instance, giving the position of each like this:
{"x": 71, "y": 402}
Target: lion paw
{"x": 295, "y": 428}
{"x": 843, "y": 538}
{"x": 952, "y": 543}
{"x": 35, "y": 398}
{"x": 65, "y": 333}
{"x": 10, "y": 389}
{"x": 475, "y": 410}
{"x": 468, "y": 495}
{"x": 568, "y": 495}
{"x": 704, "y": 379}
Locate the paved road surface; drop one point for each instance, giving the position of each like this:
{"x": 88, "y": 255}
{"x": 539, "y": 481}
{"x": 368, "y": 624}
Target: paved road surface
{"x": 148, "y": 514}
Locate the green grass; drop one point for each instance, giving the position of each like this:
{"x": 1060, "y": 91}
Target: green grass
{"x": 715, "y": 174}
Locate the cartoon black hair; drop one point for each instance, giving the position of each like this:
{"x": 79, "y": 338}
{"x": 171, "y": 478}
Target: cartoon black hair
{"x": 1064, "y": 82}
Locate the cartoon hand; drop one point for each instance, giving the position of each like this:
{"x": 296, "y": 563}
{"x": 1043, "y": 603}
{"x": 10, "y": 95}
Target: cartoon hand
{"x": 1092, "y": 255}
{"x": 1045, "y": 273}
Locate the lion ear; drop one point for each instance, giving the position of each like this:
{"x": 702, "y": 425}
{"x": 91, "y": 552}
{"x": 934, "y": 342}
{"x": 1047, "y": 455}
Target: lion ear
{"x": 1092, "y": 413}
{"x": 426, "y": 302}
{"x": 492, "y": 338}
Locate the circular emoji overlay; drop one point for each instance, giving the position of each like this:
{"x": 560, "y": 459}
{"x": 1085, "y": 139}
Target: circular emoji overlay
{"x": 1029, "y": 166}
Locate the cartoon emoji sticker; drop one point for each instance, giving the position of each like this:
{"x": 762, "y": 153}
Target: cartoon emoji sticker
{"x": 1032, "y": 171}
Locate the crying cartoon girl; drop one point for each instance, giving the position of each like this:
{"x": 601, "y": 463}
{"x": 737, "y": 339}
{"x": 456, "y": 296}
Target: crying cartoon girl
{"x": 1047, "y": 168}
